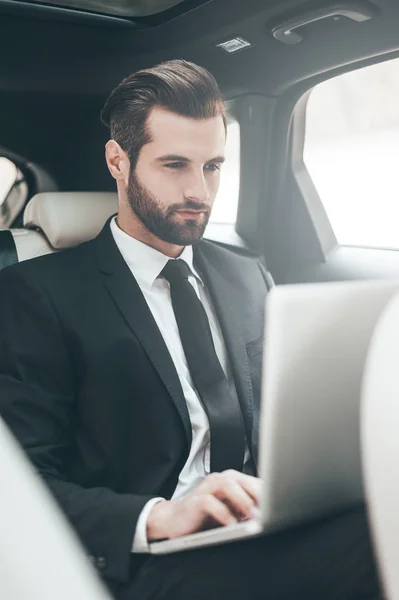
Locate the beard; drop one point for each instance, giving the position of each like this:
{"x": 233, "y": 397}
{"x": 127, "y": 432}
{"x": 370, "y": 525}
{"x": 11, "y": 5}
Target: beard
{"x": 161, "y": 221}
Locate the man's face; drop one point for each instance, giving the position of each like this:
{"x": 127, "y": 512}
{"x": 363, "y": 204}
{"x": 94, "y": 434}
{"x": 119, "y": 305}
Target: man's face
{"x": 176, "y": 178}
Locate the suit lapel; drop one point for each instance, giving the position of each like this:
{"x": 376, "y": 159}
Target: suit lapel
{"x": 227, "y": 301}
{"x": 129, "y": 299}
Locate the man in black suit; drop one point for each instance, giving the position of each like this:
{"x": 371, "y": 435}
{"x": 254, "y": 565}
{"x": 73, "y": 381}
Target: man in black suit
{"x": 130, "y": 371}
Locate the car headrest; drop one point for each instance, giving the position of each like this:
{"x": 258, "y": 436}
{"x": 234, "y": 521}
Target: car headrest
{"x": 70, "y": 218}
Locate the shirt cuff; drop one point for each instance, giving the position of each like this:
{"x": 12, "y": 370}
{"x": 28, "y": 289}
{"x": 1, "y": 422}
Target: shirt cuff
{"x": 140, "y": 542}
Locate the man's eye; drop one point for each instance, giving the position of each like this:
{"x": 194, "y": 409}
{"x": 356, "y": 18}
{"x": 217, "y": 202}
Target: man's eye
{"x": 213, "y": 167}
{"x": 175, "y": 165}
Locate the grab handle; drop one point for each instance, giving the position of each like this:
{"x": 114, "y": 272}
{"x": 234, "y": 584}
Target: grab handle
{"x": 286, "y": 31}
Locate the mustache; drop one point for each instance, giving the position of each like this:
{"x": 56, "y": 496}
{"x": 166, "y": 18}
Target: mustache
{"x": 189, "y": 205}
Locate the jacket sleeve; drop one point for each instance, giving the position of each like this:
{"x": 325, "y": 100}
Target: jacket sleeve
{"x": 37, "y": 398}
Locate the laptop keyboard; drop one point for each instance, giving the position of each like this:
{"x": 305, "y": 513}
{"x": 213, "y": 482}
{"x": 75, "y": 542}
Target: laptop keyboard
{"x": 218, "y": 535}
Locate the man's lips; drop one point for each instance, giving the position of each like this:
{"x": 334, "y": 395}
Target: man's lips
{"x": 190, "y": 213}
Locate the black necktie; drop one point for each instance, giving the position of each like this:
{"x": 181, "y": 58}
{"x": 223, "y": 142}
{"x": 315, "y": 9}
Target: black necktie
{"x": 220, "y": 404}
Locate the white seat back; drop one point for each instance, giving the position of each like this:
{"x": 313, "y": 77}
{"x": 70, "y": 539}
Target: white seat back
{"x": 58, "y": 220}
{"x": 70, "y": 218}
{"x": 40, "y": 556}
{"x": 380, "y": 444}
{"x": 30, "y": 243}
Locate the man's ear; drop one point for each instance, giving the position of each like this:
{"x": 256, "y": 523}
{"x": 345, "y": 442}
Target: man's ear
{"x": 117, "y": 161}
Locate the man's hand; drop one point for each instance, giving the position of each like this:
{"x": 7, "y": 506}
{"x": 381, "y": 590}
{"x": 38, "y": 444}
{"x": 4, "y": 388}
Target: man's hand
{"x": 221, "y": 499}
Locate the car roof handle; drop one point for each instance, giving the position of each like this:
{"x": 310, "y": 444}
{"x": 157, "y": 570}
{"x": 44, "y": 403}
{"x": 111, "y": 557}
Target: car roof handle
{"x": 286, "y": 31}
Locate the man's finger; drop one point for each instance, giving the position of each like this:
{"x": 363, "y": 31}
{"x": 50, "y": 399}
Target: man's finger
{"x": 237, "y": 498}
{"x": 216, "y": 509}
{"x": 252, "y": 485}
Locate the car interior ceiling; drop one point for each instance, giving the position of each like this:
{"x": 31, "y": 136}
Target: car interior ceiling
{"x": 58, "y": 68}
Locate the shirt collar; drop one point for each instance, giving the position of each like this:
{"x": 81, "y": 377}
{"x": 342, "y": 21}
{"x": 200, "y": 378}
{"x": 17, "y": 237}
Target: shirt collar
{"x": 145, "y": 262}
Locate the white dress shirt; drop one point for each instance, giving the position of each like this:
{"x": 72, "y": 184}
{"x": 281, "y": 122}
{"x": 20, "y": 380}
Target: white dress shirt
{"x": 146, "y": 264}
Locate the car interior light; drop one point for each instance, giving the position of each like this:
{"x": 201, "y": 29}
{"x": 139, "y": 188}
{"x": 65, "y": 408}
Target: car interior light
{"x": 234, "y": 45}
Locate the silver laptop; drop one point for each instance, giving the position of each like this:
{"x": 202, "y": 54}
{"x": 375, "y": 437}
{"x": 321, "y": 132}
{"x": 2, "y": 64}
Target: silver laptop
{"x": 316, "y": 340}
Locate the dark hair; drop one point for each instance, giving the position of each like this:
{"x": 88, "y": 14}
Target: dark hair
{"x": 177, "y": 85}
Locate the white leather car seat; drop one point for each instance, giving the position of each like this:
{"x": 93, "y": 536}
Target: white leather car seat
{"x": 40, "y": 556}
{"x": 55, "y": 221}
{"x": 380, "y": 444}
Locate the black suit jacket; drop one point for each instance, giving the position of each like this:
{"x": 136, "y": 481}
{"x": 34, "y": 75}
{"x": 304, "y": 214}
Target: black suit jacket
{"x": 90, "y": 391}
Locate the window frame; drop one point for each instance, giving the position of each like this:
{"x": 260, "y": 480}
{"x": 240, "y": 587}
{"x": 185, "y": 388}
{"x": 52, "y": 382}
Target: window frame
{"x": 327, "y": 235}
{"x": 34, "y": 175}
{"x": 230, "y": 119}
{"x": 227, "y": 234}
{"x": 323, "y": 240}
{"x": 15, "y": 198}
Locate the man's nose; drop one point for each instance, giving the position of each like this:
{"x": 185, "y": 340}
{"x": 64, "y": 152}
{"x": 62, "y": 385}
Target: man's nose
{"x": 197, "y": 188}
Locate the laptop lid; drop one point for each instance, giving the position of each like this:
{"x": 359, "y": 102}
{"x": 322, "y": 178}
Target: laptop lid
{"x": 316, "y": 340}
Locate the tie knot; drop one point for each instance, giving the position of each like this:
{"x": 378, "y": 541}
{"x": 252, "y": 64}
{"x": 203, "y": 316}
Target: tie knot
{"x": 176, "y": 270}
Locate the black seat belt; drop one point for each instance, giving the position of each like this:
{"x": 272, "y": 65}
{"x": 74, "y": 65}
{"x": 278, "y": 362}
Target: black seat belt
{"x": 8, "y": 250}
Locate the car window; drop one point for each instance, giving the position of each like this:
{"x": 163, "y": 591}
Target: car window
{"x": 226, "y": 202}
{"x": 351, "y": 152}
{"x": 13, "y": 192}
